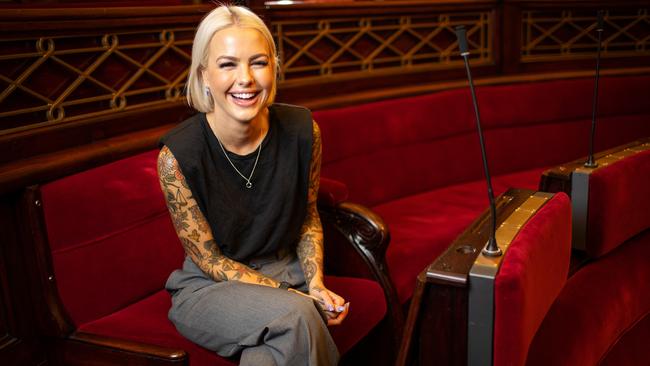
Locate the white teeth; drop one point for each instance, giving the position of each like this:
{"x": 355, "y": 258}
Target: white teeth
{"x": 243, "y": 95}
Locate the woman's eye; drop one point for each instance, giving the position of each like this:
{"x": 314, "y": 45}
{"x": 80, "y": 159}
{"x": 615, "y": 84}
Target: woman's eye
{"x": 260, "y": 63}
{"x": 226, "y": 65}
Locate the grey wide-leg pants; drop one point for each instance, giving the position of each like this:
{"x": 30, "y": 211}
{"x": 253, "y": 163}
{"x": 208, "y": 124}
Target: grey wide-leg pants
{"x": 269, "y": 326}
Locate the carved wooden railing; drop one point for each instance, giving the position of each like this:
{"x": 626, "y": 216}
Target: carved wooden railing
{"x": 313, "y": 48}
{"x": 72, "y": 77}
{"x": 63, "y": 70}
{"x": 570, "y": 34}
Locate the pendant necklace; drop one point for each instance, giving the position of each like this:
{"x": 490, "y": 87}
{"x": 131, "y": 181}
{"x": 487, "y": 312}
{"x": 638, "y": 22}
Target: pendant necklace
{"x": 249, "y": 184}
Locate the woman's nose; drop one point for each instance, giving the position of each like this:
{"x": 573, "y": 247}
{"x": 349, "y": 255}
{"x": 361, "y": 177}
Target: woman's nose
{"x": 245, "y": 77}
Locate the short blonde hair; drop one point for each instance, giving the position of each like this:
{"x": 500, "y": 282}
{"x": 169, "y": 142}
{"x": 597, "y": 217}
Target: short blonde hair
{"x": 220, "y": 18}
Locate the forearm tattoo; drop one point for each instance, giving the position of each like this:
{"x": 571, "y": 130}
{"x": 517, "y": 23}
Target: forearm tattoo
{"x": 310, "y": 246}
{"x": 193, "y": 229}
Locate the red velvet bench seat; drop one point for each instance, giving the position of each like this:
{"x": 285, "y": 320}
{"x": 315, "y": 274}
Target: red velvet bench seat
{"x": 602, "y": 315}
{"x": 110, "y": 242}
{"x": 416, "y": 160}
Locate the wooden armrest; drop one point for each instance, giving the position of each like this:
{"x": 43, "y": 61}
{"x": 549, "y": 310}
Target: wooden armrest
{"x": 356, "y": 240}
{"x": 85, "y": 348}
{"x": 331, "y": 192}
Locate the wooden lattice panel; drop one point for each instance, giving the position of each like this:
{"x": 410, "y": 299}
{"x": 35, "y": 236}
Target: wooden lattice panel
{"x": 571, "y": 34}
{"x": 63, "y": 78}
{"x": 355, "y": 46}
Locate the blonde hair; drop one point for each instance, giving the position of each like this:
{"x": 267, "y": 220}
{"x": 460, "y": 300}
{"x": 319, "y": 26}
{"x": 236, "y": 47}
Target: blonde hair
{"x": 221, "y": 18}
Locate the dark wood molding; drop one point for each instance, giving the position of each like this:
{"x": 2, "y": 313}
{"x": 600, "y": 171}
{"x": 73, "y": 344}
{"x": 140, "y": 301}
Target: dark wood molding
{"x": 348, "y": 223}
{"x": 52, "y": 318}
{"x": 19, "y": 341}
{"x": 82, "y": 349}
{"x": 49, "y": 167}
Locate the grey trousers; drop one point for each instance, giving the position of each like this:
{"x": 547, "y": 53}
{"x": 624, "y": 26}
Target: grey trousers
{"x": 269, "y": 326}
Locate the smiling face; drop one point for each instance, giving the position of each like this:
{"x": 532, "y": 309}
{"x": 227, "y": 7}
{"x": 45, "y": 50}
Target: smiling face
{"x": 239, "y": 73}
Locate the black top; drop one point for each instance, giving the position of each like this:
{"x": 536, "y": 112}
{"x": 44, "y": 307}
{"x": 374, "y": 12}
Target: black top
{"x": 267, "y": 217}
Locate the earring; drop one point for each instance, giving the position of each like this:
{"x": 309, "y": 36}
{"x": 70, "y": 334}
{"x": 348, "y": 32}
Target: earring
{"x": 207, "y": 91}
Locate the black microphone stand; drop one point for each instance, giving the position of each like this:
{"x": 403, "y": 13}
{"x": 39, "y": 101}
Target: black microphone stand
{"x": 492, "y": 249}
{"x": 590, "y": 160}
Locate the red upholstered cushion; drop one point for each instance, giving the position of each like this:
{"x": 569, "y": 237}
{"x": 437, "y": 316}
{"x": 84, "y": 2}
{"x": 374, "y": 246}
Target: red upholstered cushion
{"x": 146, "y": 321}
{"x": 396, "y": 148}
{"x": 423, "y": 225}
{"x": 632, "y": 348}
{"x": 619, "y": 203}
{"x": 531, "y": 276}
{"x": 111, "y": 236}
{"x": 367, "y": 309}
{"x": 596, "y": 307}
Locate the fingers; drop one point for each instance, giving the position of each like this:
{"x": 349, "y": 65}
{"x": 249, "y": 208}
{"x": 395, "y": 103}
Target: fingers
{"x": 338, "y": 317}
{"x": 336, "y": 299}
{"x": 329, "y": 298}
{"x": 334, "y": 306}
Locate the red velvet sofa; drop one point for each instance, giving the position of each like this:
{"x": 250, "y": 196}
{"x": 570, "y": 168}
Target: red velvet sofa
{"x": 106, "y": 245}
{"x": 602, "y": 314}
{"x": 549, "y": 305}
{"x": 416, "y": 161}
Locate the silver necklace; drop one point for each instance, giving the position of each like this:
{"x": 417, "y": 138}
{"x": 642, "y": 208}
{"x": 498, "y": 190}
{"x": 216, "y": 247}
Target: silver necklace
{"x": 249, "y": 185}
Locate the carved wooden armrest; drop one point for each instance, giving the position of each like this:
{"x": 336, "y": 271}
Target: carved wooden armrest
{"x": 356, "y": 239}
{"x": 85, "y": 348}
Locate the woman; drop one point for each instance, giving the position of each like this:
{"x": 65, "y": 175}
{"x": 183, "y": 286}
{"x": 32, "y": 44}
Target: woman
{"x": 241, "y": 182}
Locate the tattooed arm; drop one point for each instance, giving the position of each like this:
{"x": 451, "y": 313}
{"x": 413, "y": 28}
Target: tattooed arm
{"x": 310, "y": 246}
{"x": 193, "y": 229}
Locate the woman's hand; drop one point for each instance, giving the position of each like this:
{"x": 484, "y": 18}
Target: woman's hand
{"x": 332, "y": 304}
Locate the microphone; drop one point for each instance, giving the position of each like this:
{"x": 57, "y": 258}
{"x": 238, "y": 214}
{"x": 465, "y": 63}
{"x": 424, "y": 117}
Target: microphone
{"x": 599, "y": 29}
{"x": 492, "y": 249}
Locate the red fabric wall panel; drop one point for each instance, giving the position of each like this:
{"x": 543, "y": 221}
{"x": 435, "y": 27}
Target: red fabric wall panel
{"x": 534, "y": 270}
{"x": 619, "y": 203}
{"x": 111, "y": 236}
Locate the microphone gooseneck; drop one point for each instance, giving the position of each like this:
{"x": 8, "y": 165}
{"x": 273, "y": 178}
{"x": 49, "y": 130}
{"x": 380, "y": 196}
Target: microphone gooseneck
{"x": 599, "y": 29}
{"x": 492, "y": 249}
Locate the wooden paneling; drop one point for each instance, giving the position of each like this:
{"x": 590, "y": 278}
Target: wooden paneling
{"x": 86, "y": 63}
{"x": 19, "y": 344}
{"x": 65, "y": 65}
{"x": 335, "y": 49}
{"x": 553, "y": 35}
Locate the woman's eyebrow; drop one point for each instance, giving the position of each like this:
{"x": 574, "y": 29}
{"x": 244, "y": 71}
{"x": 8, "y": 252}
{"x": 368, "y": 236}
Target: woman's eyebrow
{"x": 258, "y": 55}
{"x": 229, "y": 58}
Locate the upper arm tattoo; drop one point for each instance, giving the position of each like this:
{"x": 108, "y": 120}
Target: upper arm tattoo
{"x": 193, "y": 229}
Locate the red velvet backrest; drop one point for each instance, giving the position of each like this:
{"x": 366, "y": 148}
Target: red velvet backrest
{"x": 532, "y": 273}
{"x": 394, "y": 148}
{"x": 619, "y": 198}
{"x": 111, "y": 236}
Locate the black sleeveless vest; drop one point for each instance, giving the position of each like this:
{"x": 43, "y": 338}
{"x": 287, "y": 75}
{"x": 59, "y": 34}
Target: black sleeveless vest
{"x": 267, "y": 217}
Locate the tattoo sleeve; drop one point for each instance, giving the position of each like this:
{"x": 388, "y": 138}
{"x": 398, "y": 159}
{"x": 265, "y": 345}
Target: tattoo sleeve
{"x": 310, "y": 246}
{"x": 193, "y": 229}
